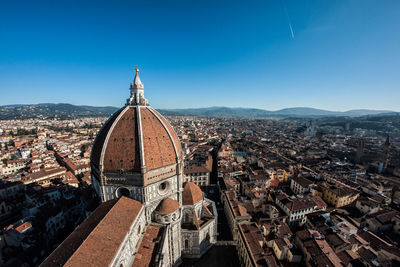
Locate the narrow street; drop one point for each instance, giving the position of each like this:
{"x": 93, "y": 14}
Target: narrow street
{"x": 224, "y": 252}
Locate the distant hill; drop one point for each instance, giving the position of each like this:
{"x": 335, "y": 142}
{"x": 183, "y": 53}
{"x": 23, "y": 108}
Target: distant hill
{"x": 66, "y": 111}
{"x": 301, "y": 112}
{"x": 51, "y": 111}
{"x": 217, "y": 112}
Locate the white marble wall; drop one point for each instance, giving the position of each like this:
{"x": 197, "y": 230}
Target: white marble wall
{"x": 128, "y": 249}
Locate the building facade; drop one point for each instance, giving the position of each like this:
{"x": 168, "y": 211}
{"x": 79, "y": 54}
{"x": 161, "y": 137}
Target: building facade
{"x": 300, "y": 185}
{"x": 338, "y": 195}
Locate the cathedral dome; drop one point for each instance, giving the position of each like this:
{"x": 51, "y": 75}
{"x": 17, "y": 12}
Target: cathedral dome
{"x": 192, "y": 194}
{"x": 136, "y": 140}
{"x": 167, "y": 206}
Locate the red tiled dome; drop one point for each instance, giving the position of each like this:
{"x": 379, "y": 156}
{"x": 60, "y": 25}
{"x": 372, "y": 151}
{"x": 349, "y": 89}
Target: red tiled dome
{"x": 117, "y": 147}
{"x": 166, "y": 206}
{"x": 191, "y": 194}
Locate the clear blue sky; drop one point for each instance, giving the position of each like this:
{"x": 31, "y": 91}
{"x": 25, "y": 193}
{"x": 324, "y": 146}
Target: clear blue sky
{"x": 341, "y": 54}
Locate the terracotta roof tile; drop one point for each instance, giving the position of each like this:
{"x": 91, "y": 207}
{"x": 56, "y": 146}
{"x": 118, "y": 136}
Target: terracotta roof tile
{"x": 122, "y": 151}
{"x": 158, "y": 148}
{"x": 172, "y": 132}
{"x": 101, "y": 137}
{"x": 23, "y": 227}
{"x": 253, "y": 238}
{"x": 304, "y": 182}
{"x": 166, "y": 206}
{"x": 148, "y": 247}
{"x": 121, "y": 136}
{"x": 110, "y": 233}
{"x": 274, "y": 183}
{"x": 191, "y": 194}
{"x": 64, "y": 251}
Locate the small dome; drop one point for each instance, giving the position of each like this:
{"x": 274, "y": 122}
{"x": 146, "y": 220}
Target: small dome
{"x": 191, "y": 194}
{"x": 166, "y": 206}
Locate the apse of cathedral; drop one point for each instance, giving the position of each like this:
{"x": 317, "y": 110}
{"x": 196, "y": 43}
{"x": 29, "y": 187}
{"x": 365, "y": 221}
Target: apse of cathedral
{"x": 148, "y": 216}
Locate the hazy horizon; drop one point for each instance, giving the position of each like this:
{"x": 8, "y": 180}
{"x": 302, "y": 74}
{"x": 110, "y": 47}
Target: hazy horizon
{"x": 206, "y": 107}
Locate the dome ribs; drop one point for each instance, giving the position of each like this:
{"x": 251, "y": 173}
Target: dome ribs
{"x": 122, "y": 152}
{"x": 172, "y": 132}
{"x": 136, "y": 140}
{"x": 157, "y": 150}
{"x": 100, "y": 139}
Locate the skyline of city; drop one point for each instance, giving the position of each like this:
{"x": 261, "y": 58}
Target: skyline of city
{"x": 232, "y": 191}
{"x": 200, "y": 133}
{"x": 334, "y": 56}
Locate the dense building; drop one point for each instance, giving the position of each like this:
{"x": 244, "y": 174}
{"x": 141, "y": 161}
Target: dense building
{"x": 137, "y": 172}
{"x": 338, "y": 195}
{"x": 298, "y": 208}
{"x": 199, "y": 227}
{"x": 235, "y": 212}
{"x": 198, "y": 171}
{"x": 316, "y": 249}
{"x": 289, "y": 198}
{"x": 360, "y": 149}
{"x": 300, "y": 185}
{"x": 251, "y": 248}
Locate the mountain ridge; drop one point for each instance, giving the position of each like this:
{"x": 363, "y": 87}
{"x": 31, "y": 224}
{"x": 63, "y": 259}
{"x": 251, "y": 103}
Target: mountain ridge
{"x": 65, "y": 110}
{"x": 286, "y": 112}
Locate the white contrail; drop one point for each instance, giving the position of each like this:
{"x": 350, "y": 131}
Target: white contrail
{"x": 287, "y": 16}
{"x": 291, "y": 30}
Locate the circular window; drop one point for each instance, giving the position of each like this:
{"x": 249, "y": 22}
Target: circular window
{"x": 124, "y": 192}
{"x": 163, "y": 188}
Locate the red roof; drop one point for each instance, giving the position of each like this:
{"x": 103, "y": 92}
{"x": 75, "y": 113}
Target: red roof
{"x": 117, "y": 145}
{"x": 274, "y": 183}
{"x": 148, "y": 246}
{"x": 122, "y": 149}
{"x": 103, "y": 243}
{"x": 101, "y": 137}
{"x": 158, "y": 147}
{"x": 191, "y": 194}
{"x": 166, "y": 206}
{"x": 68, "y": 247}
{"x": 23, "y": 227}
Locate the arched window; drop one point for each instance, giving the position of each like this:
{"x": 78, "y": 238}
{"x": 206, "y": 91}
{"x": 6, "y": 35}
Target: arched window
{"x": 186, "y": 243}
{"x": 208, "y": 239}
{"x": 124, "y": 192}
